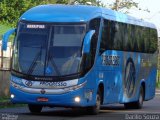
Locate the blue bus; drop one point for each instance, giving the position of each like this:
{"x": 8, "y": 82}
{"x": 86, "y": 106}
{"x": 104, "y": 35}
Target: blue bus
{"x": 82, "y": 57}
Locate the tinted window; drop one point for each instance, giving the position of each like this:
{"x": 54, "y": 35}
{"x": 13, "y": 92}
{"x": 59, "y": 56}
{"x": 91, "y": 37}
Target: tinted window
{"x": 127, "y": 37}
{"x": 105, "y": 36}
{"x": 153, "y": 40}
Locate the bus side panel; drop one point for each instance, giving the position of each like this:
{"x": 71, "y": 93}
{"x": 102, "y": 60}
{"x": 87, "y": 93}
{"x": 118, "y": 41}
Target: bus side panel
{"x": 150, "y": 77}
{"x": 112, "y": 65}
{"x": 109, "y": 67}
{"x": 130, "y": 84}
{"x": 145, "y": 71}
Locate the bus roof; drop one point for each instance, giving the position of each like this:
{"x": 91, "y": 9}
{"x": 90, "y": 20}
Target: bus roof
{"x": 77, "y": 13}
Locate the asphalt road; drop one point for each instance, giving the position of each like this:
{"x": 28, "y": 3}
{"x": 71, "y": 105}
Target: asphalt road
{"x": 150, "y": 111}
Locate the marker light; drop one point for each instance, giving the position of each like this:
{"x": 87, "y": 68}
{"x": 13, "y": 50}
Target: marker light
{"x": 77, "y": 99}
{"x": 12, "y": 96}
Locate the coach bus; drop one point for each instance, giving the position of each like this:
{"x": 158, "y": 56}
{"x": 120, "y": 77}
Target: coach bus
{"x": 82, "y": 57}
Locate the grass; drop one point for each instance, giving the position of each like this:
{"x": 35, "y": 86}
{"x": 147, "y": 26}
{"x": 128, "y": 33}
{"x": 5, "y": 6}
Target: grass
{"x": 5, "y": 103}
{"x": 12, "y": 106}
{"x": 4, "y": 99}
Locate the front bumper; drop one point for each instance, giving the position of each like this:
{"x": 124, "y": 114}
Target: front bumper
{"x": 61, "y": 100}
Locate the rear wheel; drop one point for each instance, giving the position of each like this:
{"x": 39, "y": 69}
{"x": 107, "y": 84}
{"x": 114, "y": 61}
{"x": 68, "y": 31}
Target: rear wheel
{"x": 138, "y": 104}
{"x": 35, "y": 108}
{"x": 95, "y": 109}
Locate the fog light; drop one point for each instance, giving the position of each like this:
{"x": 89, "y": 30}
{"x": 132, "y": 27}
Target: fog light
{"x": 12, "y": 96}
{"x": 77, "y": 99}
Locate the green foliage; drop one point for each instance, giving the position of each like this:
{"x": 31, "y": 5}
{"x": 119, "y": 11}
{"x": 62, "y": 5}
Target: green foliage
{"x": 3, "y": 29}
{"x": 62, "y": 1}
{"x": 11, "y": 10}
{"x": 158, "y": 85}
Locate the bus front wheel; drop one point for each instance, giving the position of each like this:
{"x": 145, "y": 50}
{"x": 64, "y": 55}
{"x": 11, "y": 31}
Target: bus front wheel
{"x": 95, "y": 109}
{"x": 35, "y": 108}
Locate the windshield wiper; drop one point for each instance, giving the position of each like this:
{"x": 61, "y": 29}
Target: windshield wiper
{"x": 34, "y": 63}
{"x": 54, "y": 65}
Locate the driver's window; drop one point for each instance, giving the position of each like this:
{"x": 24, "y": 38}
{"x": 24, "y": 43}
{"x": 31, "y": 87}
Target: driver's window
{"x": 94, "y": 25}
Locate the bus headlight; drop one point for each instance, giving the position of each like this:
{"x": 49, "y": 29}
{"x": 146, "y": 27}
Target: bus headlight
{"x": 77, "y": 99}
{"x": 12, "y": 96}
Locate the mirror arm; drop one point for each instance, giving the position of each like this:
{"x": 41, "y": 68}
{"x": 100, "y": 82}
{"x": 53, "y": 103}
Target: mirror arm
{"x": 5, "y": 38}
{"x": 87, "y": 41}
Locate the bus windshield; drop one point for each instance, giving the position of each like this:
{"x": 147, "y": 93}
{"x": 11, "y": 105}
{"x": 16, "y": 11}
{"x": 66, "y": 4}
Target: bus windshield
{"x": 48, "y": 50}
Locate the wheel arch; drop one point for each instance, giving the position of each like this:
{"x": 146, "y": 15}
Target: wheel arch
{"x": 101, "y": 89}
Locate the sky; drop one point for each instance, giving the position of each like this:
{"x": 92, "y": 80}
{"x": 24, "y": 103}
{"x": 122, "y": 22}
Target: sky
{"x": 152, "y": 5}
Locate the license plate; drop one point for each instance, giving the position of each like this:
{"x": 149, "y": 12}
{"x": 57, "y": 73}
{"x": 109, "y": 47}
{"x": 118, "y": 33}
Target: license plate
{"x": 42, "y": 99}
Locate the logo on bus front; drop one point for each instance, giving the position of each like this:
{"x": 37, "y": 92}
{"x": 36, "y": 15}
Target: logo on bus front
{"x": 54, "y": 84}
{"x": 28, "y": 83}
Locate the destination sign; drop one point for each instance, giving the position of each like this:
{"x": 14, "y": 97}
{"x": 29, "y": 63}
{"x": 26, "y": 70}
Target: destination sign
{"x": 35, "y": 26}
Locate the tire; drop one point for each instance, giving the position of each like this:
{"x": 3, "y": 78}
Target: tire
{"x": 35, "y": 108}
{"x": 94, "y": 110}
{"x": 138, "y": 104}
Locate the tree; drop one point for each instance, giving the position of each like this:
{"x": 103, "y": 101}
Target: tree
{"x": 11, "y": 10}
{"x": 93, "y": 2}
{"x": 123, "y": 5}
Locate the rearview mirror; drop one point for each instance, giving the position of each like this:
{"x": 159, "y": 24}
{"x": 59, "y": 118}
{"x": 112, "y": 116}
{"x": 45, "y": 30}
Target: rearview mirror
{"x": 5, "y": 38}
{"x": 87, "y": 41}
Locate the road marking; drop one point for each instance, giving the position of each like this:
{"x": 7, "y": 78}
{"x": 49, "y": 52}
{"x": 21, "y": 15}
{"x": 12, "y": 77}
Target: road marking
{"x": 127, "y": 111}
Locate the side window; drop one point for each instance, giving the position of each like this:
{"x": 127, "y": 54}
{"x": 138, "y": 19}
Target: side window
{"x": 122, "y": 35}
{"x": 132, "y": 38}
{"x": 117, "y": 39}
{"x": 153, "y": 40}
{"x": 116, "y": 36}
{"x": 137, "y": 32}
{"x": 146, "y": 40}
{"x": 94, "y": 25}
{"x": 112, "y": 35}
{"x": 142, "y": 40}
{"x": 105, "y": 36}
{"x": 125, "y": 38}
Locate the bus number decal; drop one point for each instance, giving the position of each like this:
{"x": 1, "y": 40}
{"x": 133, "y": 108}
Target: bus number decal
{"x": 110, "y": 60}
